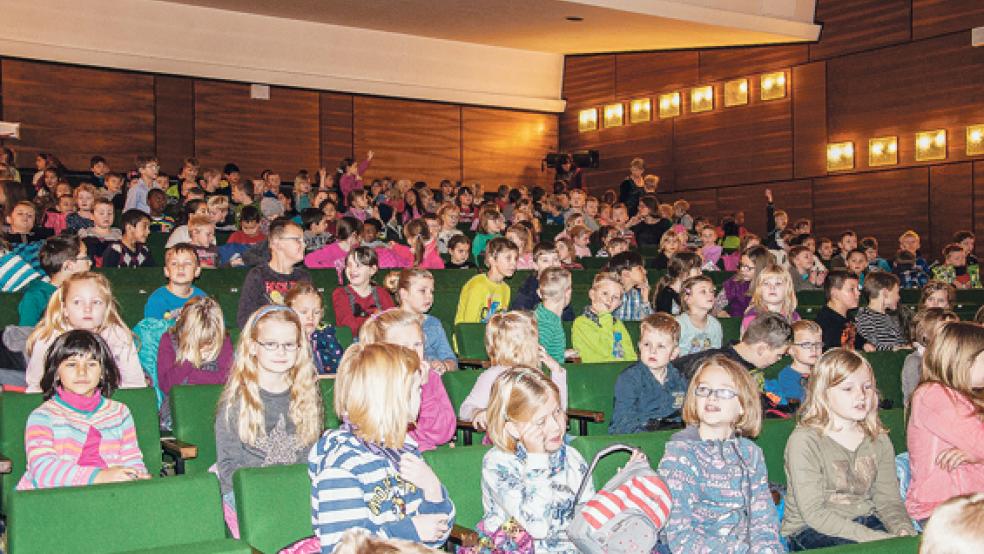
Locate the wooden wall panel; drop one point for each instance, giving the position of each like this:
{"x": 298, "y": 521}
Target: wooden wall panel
{"x": 937, "y": 17}
{"x": 653, "y": 142}
{"x": 280, "y": 133}
{"x": 174, "y": 104}
{"x": 726, "y": 63}
{"x": 950, "y": 187}
{"x": 731, "y": 146}
{"x": 702, "y": 202}
{"x": 795, "y": 197}
{"x": 978, "y": 203}
{"x": 651, "y": 73}
{"x": 77, "y": 112}
{"x": 809, "y": 90}
{"x": 857, "y": 25}
{"x": 414, "y": 140}
{"x": 883, "y": 204}
{"x": 589, "y": 79}
{"x": 930, "y": 84}
{"x": 336, "y": 128}
{"x": 506, "y": 147}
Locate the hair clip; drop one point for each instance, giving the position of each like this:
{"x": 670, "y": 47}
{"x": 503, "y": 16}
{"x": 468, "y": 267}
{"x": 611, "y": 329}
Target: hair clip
{"x": 269, "y": 308}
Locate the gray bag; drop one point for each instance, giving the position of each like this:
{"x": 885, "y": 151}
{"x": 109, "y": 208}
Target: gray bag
{"x": 626, "y": 515}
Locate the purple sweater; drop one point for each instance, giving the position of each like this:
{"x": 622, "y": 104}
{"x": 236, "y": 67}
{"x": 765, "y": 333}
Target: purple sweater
{"x": 737, "y": 294}
{"x": 170, "y": 373}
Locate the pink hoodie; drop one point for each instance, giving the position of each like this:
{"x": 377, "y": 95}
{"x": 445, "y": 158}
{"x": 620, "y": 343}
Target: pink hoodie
{"x": 436, "y": 423}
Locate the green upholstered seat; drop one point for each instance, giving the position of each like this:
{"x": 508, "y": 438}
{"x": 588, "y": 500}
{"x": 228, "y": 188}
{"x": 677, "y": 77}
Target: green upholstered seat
{"x": 273, "y": 505}
{"x": 653, "y": 444}
{"x": 460, "y": 470}
{"x": 592, "y": 387}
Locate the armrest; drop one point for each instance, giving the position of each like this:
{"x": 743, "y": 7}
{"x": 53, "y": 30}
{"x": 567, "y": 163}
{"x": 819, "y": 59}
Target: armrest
{"x": 465, "y": 424}
{"x": 6, "y": 466}
{"x": 463, "y": 536}
{"x": 179, "y": 449}
{"x": 593, "y": 416}
{"x": 475, "y": 362}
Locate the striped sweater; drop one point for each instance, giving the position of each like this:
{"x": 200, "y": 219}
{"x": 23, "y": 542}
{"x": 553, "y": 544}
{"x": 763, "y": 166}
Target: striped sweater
{"x": 352, "y": 486}
{"x": 56, "y": 433}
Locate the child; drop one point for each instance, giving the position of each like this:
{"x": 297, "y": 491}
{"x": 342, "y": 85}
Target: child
{"x": 459, "y": 250}
{"x": 84, "y": 301}
{"x": 937, "y": 294}
{"x": 448, "y": 216}
{"x": 909, "y": 242}
{"x": 136, "y": 197}
{"x": 597, "y": 335}
{"x": 196, "y": 351}
{"x": 326, "y": 351}
{"x": 875, "y": 326}
{"x": 85, "y": 197}
{"x": 910, "y": 275}
{"x": 181, "y": 269}
{"x": 847, "y": 242}
{"x": 926, "y": 324}
{"x": 423, "y": 247}
{"x": 581, "y": 237}
{"x": 160, "y": 222}
{"x": 522, "y": 237}
{"x": 490, "y": 225}
{"x": 840, "y": 462}
{"x": 952, "y": 268}
{"x": 736, "y": 293}
{"x": 249, "y": 227}
{"x": 315, "y": 225}
{"x": 775, "y": 222}
{"x": 435, "y": 423}
{"x": 511, "y": 340}
{"x": 61, "y": 257}
{"x": 803, "y": 270}
{"x": 527, "y": 297}
{"x": 667, "y": 295}
{"x": 955, "y": 526}
{"x": 946, "y": 432}
{"x": 649, "y": 393}
{"x": 268, "y": 283}
{"x": 486, "y": 294}
{"x": 565, "y": 250}
{"x": 372, "y": 456}
{"x": 98, "y": 237}
{"x": 201, "y": 231}
{"x": 773, "y": 292}
{"x": 360, "y": 298}
{"x": 764, "y": 343}
{"x": 131, "y": 250}
{"x": 554, "y": 287}
{"x": 79, "y": 436}
{"x": 825, "y": 251}
{"x": 218, "y": 207}
{"x": 699, "y": 330}
{"x": 530, "y": 477}
{"x": 270, "y": 411}
{"x": 635, "y": 304}
{"x": 841, "y": 290}
{"x": 710, "y": 251}
{"x": 350, "y": 173}
{"x": 869, "y": 245}
{"x": 347, "y": 236}
{"x": 805, "y": 350}
{"x": 965, "y": 239}
{"x": 358, "y": 205}
{"x": 415, "y": 290}
{"x": 857, "y": 263}
{"x": 715, "y": 473}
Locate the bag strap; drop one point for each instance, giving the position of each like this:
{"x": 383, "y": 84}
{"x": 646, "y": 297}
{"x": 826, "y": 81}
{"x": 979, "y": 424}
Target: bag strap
{"x": 617, "y": 447}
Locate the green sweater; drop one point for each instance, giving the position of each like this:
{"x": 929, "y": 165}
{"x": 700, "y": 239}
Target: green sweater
{"x": 478, "y": 245}
{"x": 34, "y": 302}
{"x": 551, "y": 330}
{"x": 595, "y": 339}
{"x": 829, "y": 486}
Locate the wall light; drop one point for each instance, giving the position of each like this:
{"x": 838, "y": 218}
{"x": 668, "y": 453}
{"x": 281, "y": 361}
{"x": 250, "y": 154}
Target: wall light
{"x": 669, "y": 104}
{"x": 975, "y": 140}
{"x": 736, "y": 93}
{"x": 702, "y": 99}
{"x": 640, "y": 110}
{"x": 931, "y": 145}
{"x": 587, "y": 120}
{"x": 773, "y": 85}
{"x": 883, "y": 151}
{"x": 614, "y": 115}
{"x": 840, "y": 156}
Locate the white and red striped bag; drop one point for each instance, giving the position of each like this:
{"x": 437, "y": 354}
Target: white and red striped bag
{"x": 626, "y": 515}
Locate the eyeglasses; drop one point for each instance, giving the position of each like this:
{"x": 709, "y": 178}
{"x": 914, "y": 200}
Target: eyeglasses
{"x": 809, "y": 345}
{"x": 721, "y": 394}
{"x": 744, "y": 267}
{"x": 298, "y": 239}
{"x": 274, "y": 346}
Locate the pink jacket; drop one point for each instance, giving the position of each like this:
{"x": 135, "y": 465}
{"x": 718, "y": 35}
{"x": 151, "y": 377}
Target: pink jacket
{"x": 941, "y": 419}
{"x": 120, "y": 341}
{"x": 436, "y": 423}
{"x": 348, "y": 182}
{"x": 432, "y": 258}
{"x": 332, "y": 256}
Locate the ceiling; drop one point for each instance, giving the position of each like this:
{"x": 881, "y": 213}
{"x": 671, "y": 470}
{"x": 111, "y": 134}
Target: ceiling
{"x": 541, "y": 25}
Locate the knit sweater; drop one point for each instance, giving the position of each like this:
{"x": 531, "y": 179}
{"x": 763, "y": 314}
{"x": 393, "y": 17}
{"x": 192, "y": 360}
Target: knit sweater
{"x": 551, "y": 331}
{"x": 56, "y": 435}
{"x": 354, "y": 484}
{"x": 601, "y": 338}
{"x": 121, "y": 345}
{"x": 829, "y": 486}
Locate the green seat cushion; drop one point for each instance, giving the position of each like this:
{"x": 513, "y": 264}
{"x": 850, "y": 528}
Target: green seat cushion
{"x": 470, "y": 340}
{"x": 273, "y": 505}
{"x": 216, "y": 546}
{"x": 897, "y": 545}
{"x": 193, "y": 421}
{"x": 460, "y": 470}
{"x": 592, "y": 387}
{"x": 652, "y": 444}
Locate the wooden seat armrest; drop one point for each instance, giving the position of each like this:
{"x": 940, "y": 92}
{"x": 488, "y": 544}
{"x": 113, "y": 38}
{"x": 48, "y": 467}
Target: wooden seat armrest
{"x": 473, "y": 362}
{"x": 465, "y": 424}
{"x": 6, "y": 466}
{"x": 182, "y": 450}
{"x": 463, "y": 536}
{"x": 593, "y": 416}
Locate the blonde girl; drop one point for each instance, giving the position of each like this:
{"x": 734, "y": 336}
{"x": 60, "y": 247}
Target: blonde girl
{"x": 772, "y": 291}
{"x": 669, "y": 244}
{"x": 530, "y": 476}
{"x": 326, "y": 351}
{"x": 512, "y": 340}
{"x": 716, "y": 475}
{"x": 946, "y": 420}
{"x": 937, "y": 294}
{"x": 84, "y": 301}
{"x": 435, "y": 424}
{"x": 521, "y": 236}
{"x": 447, "y": 214}
{"x": 85, "y": 198}
{"x": 197, "y": 350}
{"x": 957, "y": 526}
{"x": 270, "y": 410}
{"x": 415, "y": 289}
{"x": 372, "y": 456}
{"x": 840, "y": 463}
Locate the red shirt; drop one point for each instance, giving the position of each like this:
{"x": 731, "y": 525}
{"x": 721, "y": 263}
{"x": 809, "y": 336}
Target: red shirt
{"x": 352, "y": 310}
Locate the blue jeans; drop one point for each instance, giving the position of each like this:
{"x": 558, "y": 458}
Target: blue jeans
{"x": 809, "y": 538}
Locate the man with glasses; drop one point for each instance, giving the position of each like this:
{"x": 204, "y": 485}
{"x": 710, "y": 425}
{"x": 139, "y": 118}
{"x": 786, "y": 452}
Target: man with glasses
{"x": 764, "y": 343}
{"x": 136, "y": 197}
{"x": 268, "y": 283}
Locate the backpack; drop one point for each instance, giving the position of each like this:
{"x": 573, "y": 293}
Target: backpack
{"x": 626, "y": 515}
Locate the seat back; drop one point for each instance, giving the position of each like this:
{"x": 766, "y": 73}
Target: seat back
{"x": 459, "y": 384}
{"x": 460, "y": 470}
{"x": 193, "y": 421}
{"x": 653, "y": 444}
{"x": 592, "y": 387}
{"x": 730, "y": 329}
{"x": 470, "y": 339}
{"x": 273, "y": 505}
{"x": 328, "y": 402}
{"x": 897, "y": 545}
{"x": 887, "y": 367}
{"x": 129, "y": 516}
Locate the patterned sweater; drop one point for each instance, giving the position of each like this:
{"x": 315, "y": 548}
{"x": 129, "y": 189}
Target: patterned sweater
{"x": 56, "y": 434}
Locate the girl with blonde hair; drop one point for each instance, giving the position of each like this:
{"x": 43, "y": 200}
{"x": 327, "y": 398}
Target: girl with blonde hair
{"x": 447, "y": 214}
{"x": 369, "y": 473}
{"x": 957, "y": 526}
{"x": 522, "y": 237}
{"x": 772, "y": 291}
{"x": 326, "y": 351}
{"x": 84, "y": 301}
{"x": 840, "y": 462}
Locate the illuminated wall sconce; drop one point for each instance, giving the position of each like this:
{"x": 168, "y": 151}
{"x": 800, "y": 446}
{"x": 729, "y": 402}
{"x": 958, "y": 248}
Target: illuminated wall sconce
{"x": 640, "y": 110}
{"x": 587, "y": 120}
{"x": 736, "y": 93}
{"x": 840, "y": 156}
{"x": 931, "y": 145}
{"x": 883, "y": 151}
{"x": 702, "y": 99}
{"x": 614, "y": 115}
{"x": 773, "y": 85}
{"x": 975, "y": 140}
{"x": 669, "y": 104}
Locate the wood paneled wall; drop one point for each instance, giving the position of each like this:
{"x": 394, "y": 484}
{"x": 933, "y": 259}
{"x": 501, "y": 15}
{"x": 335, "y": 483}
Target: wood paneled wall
{"x": 77, "y": 112}
{"x": 881, "y": 67}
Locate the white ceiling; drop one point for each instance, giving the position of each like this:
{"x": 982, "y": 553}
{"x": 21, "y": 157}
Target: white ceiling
{"x": 541, "y": 25}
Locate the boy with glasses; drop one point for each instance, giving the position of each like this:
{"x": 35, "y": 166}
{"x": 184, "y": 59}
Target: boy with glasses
{"x": 136, "y": 197}
{"x": 805, "y": 350}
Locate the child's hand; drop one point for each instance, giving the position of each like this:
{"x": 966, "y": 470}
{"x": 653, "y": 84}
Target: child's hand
{"x": 431, "y": 527}
{"x": 119, "y": 474}
{"x": 868, "y": 347}
{"x": 768, "y": 195}
{"x": 480, "y": 420}
{"x": 952, "y": 458}
{"x": 413, "y": 468}
{"x": 370, "y": 155}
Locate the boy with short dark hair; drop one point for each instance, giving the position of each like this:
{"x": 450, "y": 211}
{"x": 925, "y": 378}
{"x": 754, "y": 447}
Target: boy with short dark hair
{"x": 99, "y": 169}
{"x": 876, "y": 326}
{"x": 268, "y": 283}
{"x": 315, "y": 226}
{"x": 459, "y": 251}
{"x": 764, "y": 343}
{"x": 131, "y": 250}
{"x": 631, "y": 272}
{"x": 181, "y": 268}
{"x": 847, "y": 242}
{"x": 61, "y": 256}
{"x": 249, "y": 227}
{"x": 528, "y": 296}
{"x": 23, "y": 234}
{"x": 160, "y": 222}
{"x": 486, "y": 294}
{"x": 148, "y": 168}
{"x": 839, "y": 329}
